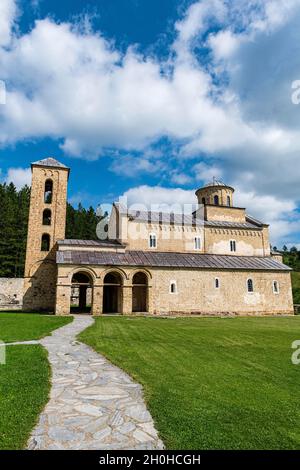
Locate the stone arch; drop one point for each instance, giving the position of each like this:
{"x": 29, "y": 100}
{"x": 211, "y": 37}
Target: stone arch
{"x": 140, "y": 292}
{"x": 142, "y": 270}
{"x": 83, "y": 269}
{"x": 113, "y": 284}
{"x": 82, "y": 287}
{"x": 121, "y": 271}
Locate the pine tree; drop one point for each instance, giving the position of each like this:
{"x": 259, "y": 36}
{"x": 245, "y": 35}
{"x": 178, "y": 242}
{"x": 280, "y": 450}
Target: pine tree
{"x": 14, "y": 210}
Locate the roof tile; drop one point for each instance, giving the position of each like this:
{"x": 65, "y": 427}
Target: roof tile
{"x": 171, "y": 260}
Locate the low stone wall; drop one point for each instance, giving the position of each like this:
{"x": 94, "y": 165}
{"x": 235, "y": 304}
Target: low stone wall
{"x": 11, "y": 293}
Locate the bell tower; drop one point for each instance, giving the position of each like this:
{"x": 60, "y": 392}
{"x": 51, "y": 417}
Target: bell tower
{"x": 46, "y": 225}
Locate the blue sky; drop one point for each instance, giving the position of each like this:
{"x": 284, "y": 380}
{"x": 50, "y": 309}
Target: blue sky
{"x": 153, "y": 99}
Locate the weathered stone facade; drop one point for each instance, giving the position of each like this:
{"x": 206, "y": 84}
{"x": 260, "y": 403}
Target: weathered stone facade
{"x": 11, "y": 293}
{"x": 195, "y": 293}
{"x": 40, "y": 268}
{"x": 214, "y": 261}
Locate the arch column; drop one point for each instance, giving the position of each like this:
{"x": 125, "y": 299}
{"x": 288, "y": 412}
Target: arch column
{"x": 150, "y": 299}
{"x": 97, "y": 301}
{"x": 127, "y": 298}
{"x": 63, "y": 299}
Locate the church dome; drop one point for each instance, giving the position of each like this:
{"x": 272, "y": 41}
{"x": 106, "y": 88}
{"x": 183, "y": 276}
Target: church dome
{"x": 215, "y": 193}
{"x": 214, "y": 182}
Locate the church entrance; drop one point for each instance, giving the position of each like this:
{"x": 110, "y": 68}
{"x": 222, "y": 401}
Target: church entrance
{"x": 81, "y": 293}
{"x": 140, "y": 293}
{"x": 112, "y": 293}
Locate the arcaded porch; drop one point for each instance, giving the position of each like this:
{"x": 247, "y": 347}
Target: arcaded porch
{"x": 111, "y": 291}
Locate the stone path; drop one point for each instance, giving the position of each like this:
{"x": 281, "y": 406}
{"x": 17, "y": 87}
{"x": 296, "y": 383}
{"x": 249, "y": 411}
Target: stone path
{"x": 93, "y": 404}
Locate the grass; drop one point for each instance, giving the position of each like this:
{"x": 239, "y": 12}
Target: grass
{"x": 25, "y": 378}
{"x": 28, "y": 326}
{"x": 211, "y": 383}
{"x": 296, "y": 286}
{"x": 24, "y": 390}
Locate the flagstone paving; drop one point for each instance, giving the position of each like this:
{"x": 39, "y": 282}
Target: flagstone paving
{"x": 93, "y": 404}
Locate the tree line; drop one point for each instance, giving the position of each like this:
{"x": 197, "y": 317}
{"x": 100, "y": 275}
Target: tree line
{"x": 14, "y": 210}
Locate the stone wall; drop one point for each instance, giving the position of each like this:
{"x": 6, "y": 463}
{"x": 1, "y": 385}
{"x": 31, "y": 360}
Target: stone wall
{"x": 11, "y": 293}
{"x": 195, "y": 292}
{"x": 40, "y": 268}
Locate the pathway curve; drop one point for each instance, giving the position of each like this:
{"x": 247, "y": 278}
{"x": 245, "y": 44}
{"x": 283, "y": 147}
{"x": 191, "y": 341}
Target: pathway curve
{"x": 93, "y": 404}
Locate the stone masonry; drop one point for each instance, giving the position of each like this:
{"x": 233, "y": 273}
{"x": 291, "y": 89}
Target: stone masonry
{"x": 40, "y": 267}
{"x": 11, "y": 293}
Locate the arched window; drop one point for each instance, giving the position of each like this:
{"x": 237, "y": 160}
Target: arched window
{"x": 250, "y": 285}
{"x": 233, "y": 246}
{"x": 203, "y": 201}
{"x": 173, "y": 287}
{"x": 152, "y": 240}
{"x": 197, "y": 244}
{"x": 228, "y": 201}
{"x": 48, "y": 191}
{"x": 217, "y": 283}
{"x": 276, "y": 287}
{"x": 45, "y": 245}
{"x": 216, "y": 200}
{"x": 47, "y": 217}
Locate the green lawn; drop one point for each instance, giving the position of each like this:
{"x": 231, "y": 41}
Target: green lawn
{"x": 211, "y": 383}
{"x": 24, "y": 379}
{"x": 24, "y": 390}
{"x": 28, "y": 326}
{"x": 296, "y": 286}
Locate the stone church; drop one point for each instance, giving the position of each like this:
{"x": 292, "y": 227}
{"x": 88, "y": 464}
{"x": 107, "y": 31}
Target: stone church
{"x": 214, "y": 261}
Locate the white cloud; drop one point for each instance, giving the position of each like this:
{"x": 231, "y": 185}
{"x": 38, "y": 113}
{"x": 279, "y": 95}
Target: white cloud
{"x": 8, "y": 11}
{"x": 234, "y": 107}
{"x": 130, "y": 166}
{"x": 206, "y": 173}
{"x": 279, "y": 214}
{"x": 157, "y": 197}
{"x": 223, "y": 44}
{"x": 19, "y": 176}
{"x": 180, "y": 178}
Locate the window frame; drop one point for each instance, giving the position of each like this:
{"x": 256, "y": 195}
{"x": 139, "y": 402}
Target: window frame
{"x": 152, "y": 236}
{"x": 44, "y": 218}
{"x": 173, "y": 282}
{"x": 48, "y": 241}
{"x": 231, "y": 244}
{"x": 216, "y": 200}
{"x": 48, "y": 180}
{"x": 252, "y": 284}
{"x": 196, "y": 240}
{"x": 277, "y": 290}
